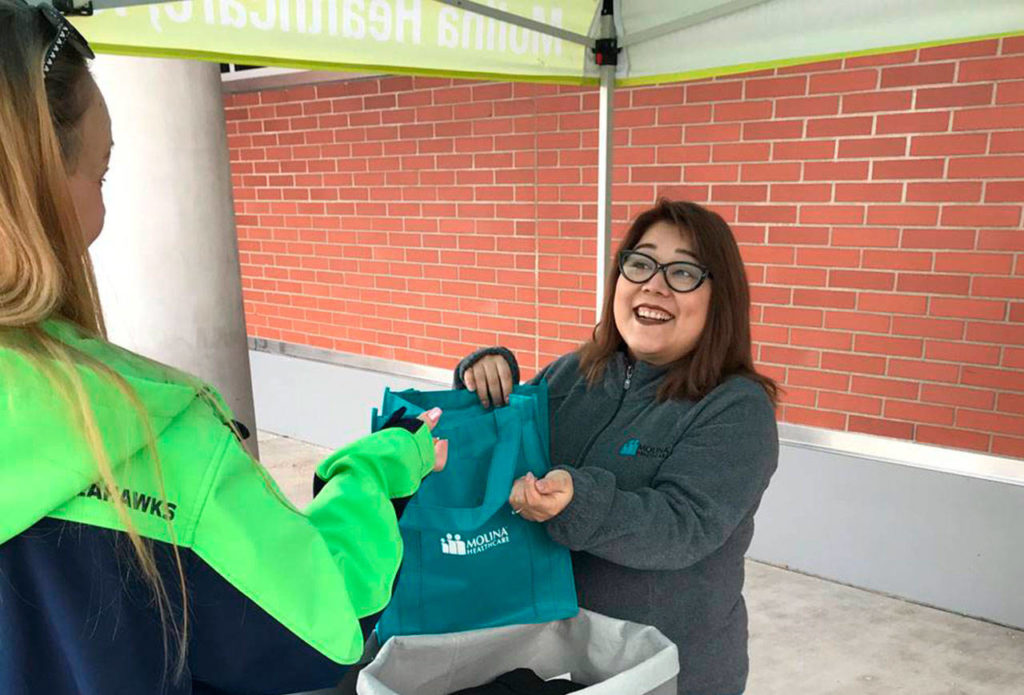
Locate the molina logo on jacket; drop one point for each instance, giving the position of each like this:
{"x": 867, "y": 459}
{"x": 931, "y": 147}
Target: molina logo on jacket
{"x": 630, "y": 448}
{"x": 634, "y": 448}
{"x": 452, "y": 544}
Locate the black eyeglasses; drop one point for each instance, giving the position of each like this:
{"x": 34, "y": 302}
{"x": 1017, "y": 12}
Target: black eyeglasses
{"x": 66, "y": 34}
{"x": 681, "y": 276}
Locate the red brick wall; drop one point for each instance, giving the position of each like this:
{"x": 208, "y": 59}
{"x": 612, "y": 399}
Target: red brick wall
{"x": 877, "y": 201}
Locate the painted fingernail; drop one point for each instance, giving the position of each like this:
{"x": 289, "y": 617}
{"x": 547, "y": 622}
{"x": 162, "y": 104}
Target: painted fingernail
{"x": 434, "y": 413}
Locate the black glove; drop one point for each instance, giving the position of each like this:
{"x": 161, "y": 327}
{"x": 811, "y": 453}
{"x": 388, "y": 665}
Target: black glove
{"x": 398, "y": 419}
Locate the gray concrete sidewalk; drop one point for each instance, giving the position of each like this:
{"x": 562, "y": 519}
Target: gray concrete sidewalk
{"x": 809, "y": 636}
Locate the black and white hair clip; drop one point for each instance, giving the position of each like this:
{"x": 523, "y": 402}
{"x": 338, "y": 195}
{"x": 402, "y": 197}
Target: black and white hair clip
{"x": 65, "y": 34}
{"x": 54, "y": 49}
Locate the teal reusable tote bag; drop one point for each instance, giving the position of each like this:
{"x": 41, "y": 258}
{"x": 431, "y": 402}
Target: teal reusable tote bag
{"x": 469, "y": 562}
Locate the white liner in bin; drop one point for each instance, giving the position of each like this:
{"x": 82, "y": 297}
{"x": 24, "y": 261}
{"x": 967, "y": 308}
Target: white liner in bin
{"x": 612, "y": 657}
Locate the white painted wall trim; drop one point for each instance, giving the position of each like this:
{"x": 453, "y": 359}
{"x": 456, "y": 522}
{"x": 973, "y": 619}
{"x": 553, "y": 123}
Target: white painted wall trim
{"x": 864, "y": 446}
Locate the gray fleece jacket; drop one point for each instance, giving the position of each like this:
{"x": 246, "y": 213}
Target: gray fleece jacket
{"x": 663, "y": 506}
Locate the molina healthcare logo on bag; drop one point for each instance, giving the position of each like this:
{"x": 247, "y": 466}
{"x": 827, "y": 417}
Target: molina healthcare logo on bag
{"x": 453, "y": 544}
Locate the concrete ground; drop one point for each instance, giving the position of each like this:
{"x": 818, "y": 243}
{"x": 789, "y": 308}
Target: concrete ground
{"x": 809, "y": 636}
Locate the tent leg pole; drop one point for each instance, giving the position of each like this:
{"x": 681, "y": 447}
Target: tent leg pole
{"x": 606, "y": 128}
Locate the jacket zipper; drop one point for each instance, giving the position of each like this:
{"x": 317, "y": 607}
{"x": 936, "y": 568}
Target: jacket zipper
{"x": 625, "y": 387}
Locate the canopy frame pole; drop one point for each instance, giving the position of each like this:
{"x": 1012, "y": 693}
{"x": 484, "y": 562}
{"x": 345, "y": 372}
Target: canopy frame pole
{"x": 606, "y": 145}
{"x": 688, "y": 21}
{"x": 607, "y": 60}
{"x": 87, "y": 7}
{"x": 521, "y": 21}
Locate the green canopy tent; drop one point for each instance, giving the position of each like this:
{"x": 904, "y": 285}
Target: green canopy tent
{"x": 607, "y": 42}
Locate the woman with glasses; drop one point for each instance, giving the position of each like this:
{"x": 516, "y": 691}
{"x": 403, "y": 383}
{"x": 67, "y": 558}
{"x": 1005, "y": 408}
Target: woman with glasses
{"x": 663, "y": 440}
{"x": 141, "y": 549}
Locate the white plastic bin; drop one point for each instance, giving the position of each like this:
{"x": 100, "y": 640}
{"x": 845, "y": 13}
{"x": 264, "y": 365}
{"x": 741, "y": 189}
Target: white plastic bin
{"x": 611, "y": 657}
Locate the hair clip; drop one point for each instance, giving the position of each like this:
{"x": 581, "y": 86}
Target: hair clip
{"x": 65, "y": 34}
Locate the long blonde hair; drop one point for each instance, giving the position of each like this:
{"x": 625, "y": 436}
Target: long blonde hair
{"x": 45, "y": 270}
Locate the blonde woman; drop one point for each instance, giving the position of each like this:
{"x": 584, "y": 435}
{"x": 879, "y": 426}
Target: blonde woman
{"x": 141, "y": 549}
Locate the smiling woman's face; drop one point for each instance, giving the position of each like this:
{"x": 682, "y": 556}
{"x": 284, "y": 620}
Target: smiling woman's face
{"x": 659, "y": 325}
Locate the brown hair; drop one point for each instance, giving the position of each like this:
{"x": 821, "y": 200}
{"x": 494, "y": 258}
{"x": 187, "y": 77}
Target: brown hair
{"x": 724, "y": 346}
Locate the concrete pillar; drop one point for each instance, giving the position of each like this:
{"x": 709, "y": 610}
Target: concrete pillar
{"x": 167, "y": 261}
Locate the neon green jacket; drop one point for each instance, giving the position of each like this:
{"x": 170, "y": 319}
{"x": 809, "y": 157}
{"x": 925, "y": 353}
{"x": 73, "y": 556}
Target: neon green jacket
{"x": 314, "y": 571}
